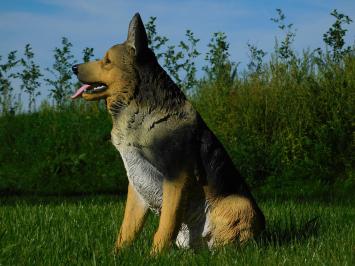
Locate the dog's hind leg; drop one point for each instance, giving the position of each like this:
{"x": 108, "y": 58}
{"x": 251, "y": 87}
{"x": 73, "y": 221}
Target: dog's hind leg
{"x": 235, "y": 218}
{"x": 133, "y": 220}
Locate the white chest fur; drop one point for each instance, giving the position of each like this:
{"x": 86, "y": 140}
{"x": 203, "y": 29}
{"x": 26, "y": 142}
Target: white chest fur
{"x": 143, "y": 176}
{"x": 147, "y": 180}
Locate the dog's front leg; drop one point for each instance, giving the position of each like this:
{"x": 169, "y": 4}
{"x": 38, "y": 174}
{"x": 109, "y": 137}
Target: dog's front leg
{"x": 171, "y": 213}
{"x": 133, "y": 220}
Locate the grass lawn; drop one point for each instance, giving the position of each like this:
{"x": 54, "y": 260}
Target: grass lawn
{"x": 82, "y": 230}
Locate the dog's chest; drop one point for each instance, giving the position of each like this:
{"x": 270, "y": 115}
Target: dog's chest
{"x": 143, "y": 176}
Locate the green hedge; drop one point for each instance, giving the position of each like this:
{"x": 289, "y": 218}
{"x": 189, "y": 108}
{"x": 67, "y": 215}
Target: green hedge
{"x": 287, "y": 124}
{"x": 59, "y": 151}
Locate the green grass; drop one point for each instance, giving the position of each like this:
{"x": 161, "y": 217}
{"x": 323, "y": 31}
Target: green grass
{"x": 82, "y": 230}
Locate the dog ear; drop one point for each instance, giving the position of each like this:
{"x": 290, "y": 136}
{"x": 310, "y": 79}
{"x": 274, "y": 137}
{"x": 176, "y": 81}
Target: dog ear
{"x": 137, "y": 37}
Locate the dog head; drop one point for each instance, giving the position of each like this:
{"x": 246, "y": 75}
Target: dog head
{"x": 129, "y": 71}
{"x": 115, "y": 75}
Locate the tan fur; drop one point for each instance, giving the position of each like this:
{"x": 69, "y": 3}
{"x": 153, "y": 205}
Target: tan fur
{"x": 133, "y": 220}
{"x": 171, "y": 212}
{"x": 233, "y": 218}
{"x": 115, "y": 69}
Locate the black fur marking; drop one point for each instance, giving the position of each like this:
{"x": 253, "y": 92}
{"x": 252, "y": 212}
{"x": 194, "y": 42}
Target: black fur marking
{"x": 156, "y": 89}
{"x": 117, "y": 106}
{"x": 218, "y": 168}
{"x": 165, "y": 118}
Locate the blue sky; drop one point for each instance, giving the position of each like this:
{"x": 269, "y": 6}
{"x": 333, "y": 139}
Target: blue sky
{"x": 100, "y": 24}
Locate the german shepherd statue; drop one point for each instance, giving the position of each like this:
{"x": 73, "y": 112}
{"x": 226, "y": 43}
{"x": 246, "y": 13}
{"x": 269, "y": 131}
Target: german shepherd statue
{"x": 175, "y": 165}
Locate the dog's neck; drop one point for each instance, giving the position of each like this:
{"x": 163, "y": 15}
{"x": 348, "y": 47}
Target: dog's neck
{"x": 116, "y": 104}
{"x": 156, "y": 89}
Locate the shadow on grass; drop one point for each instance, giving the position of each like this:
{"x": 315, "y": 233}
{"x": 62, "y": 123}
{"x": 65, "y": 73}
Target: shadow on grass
{"x": 283, "y": 235}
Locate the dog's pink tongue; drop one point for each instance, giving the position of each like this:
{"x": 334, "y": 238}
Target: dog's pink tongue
{"x": 80, "y": 91}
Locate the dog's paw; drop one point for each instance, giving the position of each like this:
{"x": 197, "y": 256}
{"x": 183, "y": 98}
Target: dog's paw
{"x": 160, "y": 244}
{"x": 154, "y": 252}
{"x": 156, "y": 249}
{"x": 118, "y": 247}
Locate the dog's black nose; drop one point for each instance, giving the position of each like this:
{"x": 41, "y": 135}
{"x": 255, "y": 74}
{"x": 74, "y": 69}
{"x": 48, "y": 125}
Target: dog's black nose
{"x": 75, "y": 69}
